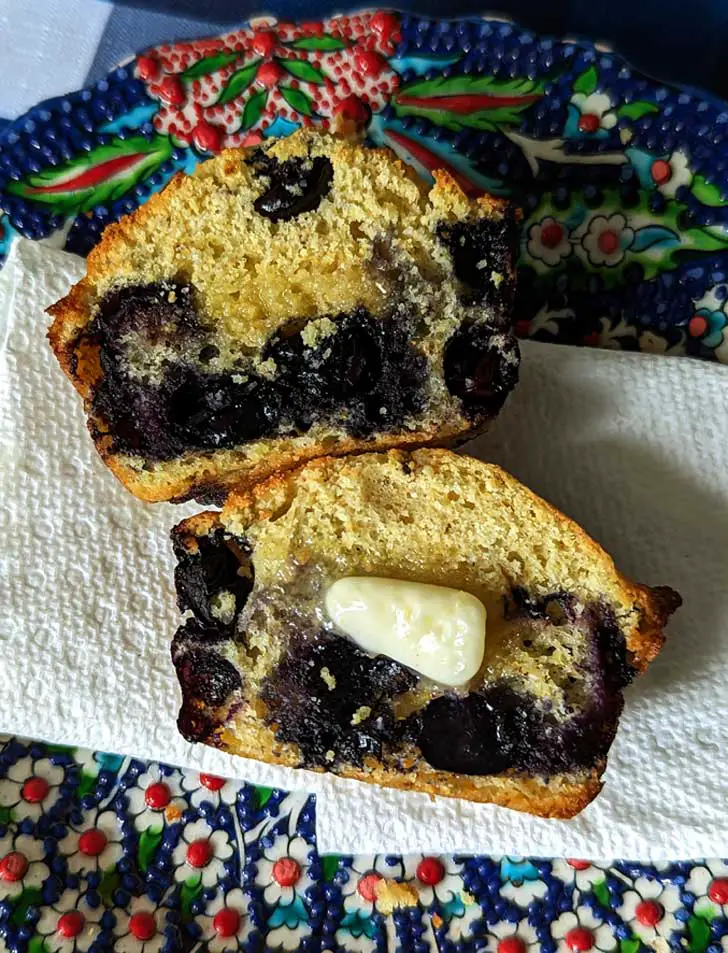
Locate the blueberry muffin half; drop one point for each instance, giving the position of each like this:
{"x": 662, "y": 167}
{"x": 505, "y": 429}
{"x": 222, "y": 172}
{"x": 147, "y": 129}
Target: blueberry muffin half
{"x": 419, "y": 620}
{"x": 303, "y": 298}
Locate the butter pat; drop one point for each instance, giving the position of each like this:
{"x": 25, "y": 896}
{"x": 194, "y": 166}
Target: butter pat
{"x": 437, "y": 631}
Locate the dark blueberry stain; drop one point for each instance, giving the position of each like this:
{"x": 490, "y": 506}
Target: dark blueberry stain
{"x": 347, "y": 364}
{"x": 208, "y": 353}
{"x": 296, "y": 186}
{"x": 499, "y": 729}
{"x": 556, "y": 607}
{"x": 317, "y": 718}
{"x": 479, "y": 733}
{"x": 609, "y": 649}
{"x": 215, "y": 411}
{"x": 137, "y": 412}
{"x": 215, "y": 568}
{"x": 368, "y": 368}
{"x": 207, "y": 680}
{"x": 212, "y": 494}
{"x": 478, "y": 371}
{"x": 366, "y": 376}
{"x": 207, "y": 677}
{"x": 485, "y": 732}
{"x": 151, "y": 310}
{"x": 479, "y": 249}
{"x": 134, "y": 415}
{"x": 195, "y": 634}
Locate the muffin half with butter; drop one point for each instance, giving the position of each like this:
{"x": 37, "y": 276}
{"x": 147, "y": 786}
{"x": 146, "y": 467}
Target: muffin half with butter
{"x": 418, "y": 620}
{"x": 304, "y": 298}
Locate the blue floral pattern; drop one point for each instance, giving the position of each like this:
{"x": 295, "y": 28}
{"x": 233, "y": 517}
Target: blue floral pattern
{"x": 213, "y": 864}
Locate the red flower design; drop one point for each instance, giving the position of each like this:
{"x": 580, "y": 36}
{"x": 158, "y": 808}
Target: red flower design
{"x": 213, "y": 93}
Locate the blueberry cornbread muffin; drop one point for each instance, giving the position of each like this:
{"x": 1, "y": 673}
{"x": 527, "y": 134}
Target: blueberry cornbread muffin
{"x": 419, "y": 620}
{"x": 304, "y": 298}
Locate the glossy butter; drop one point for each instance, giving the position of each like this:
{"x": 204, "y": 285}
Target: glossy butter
{"x": 437, "y": 631}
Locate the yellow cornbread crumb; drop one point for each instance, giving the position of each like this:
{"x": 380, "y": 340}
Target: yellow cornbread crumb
{"x": 328, "y": 678}
{"x": 361, "y": 714}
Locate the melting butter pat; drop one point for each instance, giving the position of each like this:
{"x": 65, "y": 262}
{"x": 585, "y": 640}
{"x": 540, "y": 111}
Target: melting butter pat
{"x": 437, "y": 631}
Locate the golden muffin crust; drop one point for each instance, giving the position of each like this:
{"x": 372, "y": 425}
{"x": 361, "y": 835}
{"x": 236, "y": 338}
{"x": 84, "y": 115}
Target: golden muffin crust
{"x": 232, "y": 277}
{"x": 565, "y": 631}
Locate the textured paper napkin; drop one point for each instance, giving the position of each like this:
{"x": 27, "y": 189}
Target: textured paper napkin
{"x": 635, "y": 447}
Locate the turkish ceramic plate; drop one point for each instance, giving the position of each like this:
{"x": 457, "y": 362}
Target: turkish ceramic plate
{"x": 100, "y": 852}
{"x": 624, "y": 244}
{"x": 622, "y": 180}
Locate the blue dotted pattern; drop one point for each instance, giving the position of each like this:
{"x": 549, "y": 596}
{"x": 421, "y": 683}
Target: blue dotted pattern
{"x": 60, "y": 129}
{"x": 682, "y": 121}
{"x": 260, "y": 825}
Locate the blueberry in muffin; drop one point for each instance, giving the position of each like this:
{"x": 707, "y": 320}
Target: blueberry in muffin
{"x": 303, "y": 298}
{"x": 415, "y": 619}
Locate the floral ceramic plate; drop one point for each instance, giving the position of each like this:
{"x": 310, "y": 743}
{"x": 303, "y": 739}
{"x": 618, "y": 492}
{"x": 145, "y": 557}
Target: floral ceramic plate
{"x": 623, "y": 180}
{"x": 624, "y": 187}
{"x": 99, "y": 852}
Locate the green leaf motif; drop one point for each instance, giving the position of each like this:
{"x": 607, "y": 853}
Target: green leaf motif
{"x": 238, "y": 82}
{"x": 587, "y": 82}
{"x": 470, "y": 84}
{"x": 30, "y": 897}
{"x": 636, "y": 110}
{"x": 97, "y": 177}
{"x": 208, "y": 64}
{"x": 59, "y": 749}
{"x": 629, "y": 946}
{"x": 254, "y": 109}
{"x": 262, "y": 795}
{"x": 37, "y": 945}
{"x": 304, "y": 71}
{"x": 148, "y": 844}
{"x": 708, "y": 238}
{"x": 297, "y": 99}
{"x": 698, "y": 934}
{"x": 6, "y": 815}
{"x": 191, "y": 890}
{"x": 329, "y": 866}
{"x": 601, "y": 892}
{"x": 707, "y": 193}
{"x": 324, "y": 43}
{"x": 466, "y": 101}
{"x": 86, "y": 784}
{"x": 110, "y": 882}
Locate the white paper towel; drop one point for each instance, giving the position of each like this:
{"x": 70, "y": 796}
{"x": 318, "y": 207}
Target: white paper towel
{"x": 634, "y": 447}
